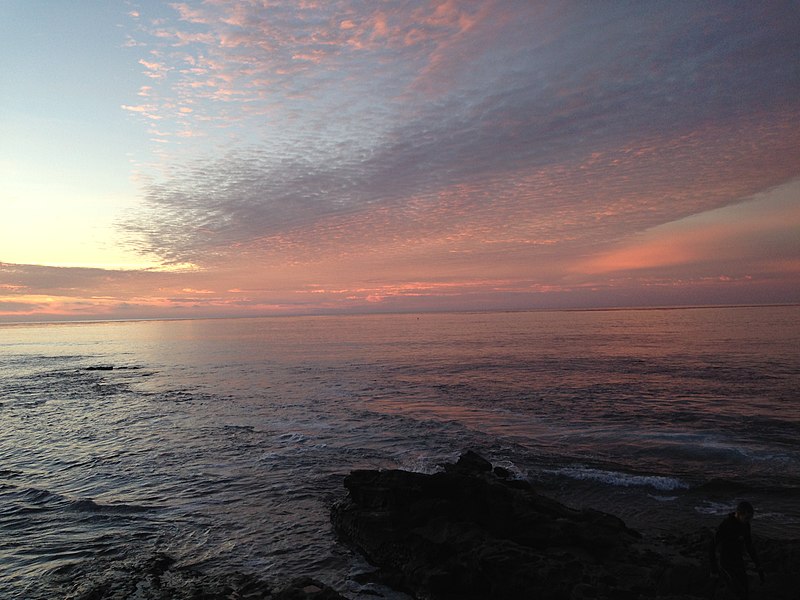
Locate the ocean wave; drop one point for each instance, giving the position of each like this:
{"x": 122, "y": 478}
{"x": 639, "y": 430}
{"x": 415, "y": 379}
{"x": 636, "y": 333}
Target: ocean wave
{"x": 620, "y": 479}
{"x": 47, "y": 500}
{"x": 714, "y": 508}
{"x": 660, "y": 498}
{"x": 238, "y": 428}
{"x": 39, "y": 496}
{"x": 292, "y": 437}
{"x": 89, "y": 505}
{"x": 772, "y": 486}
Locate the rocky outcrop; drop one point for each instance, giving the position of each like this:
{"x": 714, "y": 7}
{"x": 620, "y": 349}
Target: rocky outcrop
{"x": 471, "y": 532}
{"x": 155, "y": 577}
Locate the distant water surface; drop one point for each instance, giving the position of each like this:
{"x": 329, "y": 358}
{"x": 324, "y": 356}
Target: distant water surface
{"x": 224, "y": 442}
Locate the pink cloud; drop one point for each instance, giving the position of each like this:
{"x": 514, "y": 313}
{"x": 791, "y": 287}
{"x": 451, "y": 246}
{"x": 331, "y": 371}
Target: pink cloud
{"x": 155, "y": 70}
{"x": 555, "y": 147}
{"x": 191, "y": 15}
{"x": 140, "y": 108}
{"x": 738, "y": 238}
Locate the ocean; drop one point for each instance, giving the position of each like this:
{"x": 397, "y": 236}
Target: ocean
{"x": 223, "y": 443}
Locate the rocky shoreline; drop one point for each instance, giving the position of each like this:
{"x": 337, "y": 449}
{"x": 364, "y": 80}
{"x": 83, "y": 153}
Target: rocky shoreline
{"x": 156, "y": 577}
{"x": 469, "y": 532}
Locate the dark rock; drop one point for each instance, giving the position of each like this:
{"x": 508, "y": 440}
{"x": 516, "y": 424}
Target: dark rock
{"x": 155, "y": 577}
{"x": 471, "y": 533}
{"x": 502, "y": 473}
{"x": 466, "y": 533}
{"x": 306, "y": 588}
{"x": 469, "y": 463}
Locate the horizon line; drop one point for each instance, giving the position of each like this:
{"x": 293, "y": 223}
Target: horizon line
{"x": 399, "y": 312}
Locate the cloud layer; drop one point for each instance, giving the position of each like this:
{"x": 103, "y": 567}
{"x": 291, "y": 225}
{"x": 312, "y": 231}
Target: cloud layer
{"x": 419, "y": 120}
{"x": 362, "y": 151}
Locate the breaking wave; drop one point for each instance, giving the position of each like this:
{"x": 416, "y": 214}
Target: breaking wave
{"x": 617, "y": 478}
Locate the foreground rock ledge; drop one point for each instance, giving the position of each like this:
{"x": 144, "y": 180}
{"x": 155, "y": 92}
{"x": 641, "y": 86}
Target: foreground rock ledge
{"x": 155, "y": 577}
{"x": 471, "y": 532}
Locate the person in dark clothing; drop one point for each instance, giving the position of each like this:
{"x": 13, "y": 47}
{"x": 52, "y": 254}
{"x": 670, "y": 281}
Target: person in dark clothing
{"x": 730, "y": 541}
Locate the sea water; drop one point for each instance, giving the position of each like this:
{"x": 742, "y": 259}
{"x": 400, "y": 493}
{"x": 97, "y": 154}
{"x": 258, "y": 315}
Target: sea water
{"x": 224, "y": 442}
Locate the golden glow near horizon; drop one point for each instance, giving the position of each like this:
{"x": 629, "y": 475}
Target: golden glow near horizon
{"x": 225, "y": 158}
{"x": 72, "y": 232}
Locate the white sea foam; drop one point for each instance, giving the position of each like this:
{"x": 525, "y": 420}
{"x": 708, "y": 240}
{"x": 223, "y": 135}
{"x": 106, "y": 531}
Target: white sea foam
{"x": 714, "y": 508}
{"x": 420, "y": 464}
{"x": 660, "y": 498}
{"x": 617, "y": 478}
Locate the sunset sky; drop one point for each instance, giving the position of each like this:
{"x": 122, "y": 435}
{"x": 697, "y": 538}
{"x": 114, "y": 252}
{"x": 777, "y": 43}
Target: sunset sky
{"x": 221, "y": 158}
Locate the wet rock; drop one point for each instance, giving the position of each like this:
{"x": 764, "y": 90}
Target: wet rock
{"x": 155, "y": 577}
{"x": 306, "y": 588}
{"x": 465, "y": 533}
{"x": 469, "y": 462}
{"x": 471, "y": 532}
{"x": 502, "y": 473}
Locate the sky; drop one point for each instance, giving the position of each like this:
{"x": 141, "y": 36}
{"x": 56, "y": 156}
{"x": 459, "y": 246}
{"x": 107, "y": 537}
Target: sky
{"x": 215, "y": 158}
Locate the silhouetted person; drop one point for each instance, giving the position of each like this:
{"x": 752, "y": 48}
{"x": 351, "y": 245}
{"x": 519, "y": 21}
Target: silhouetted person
{"x": 730, "y": 541}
